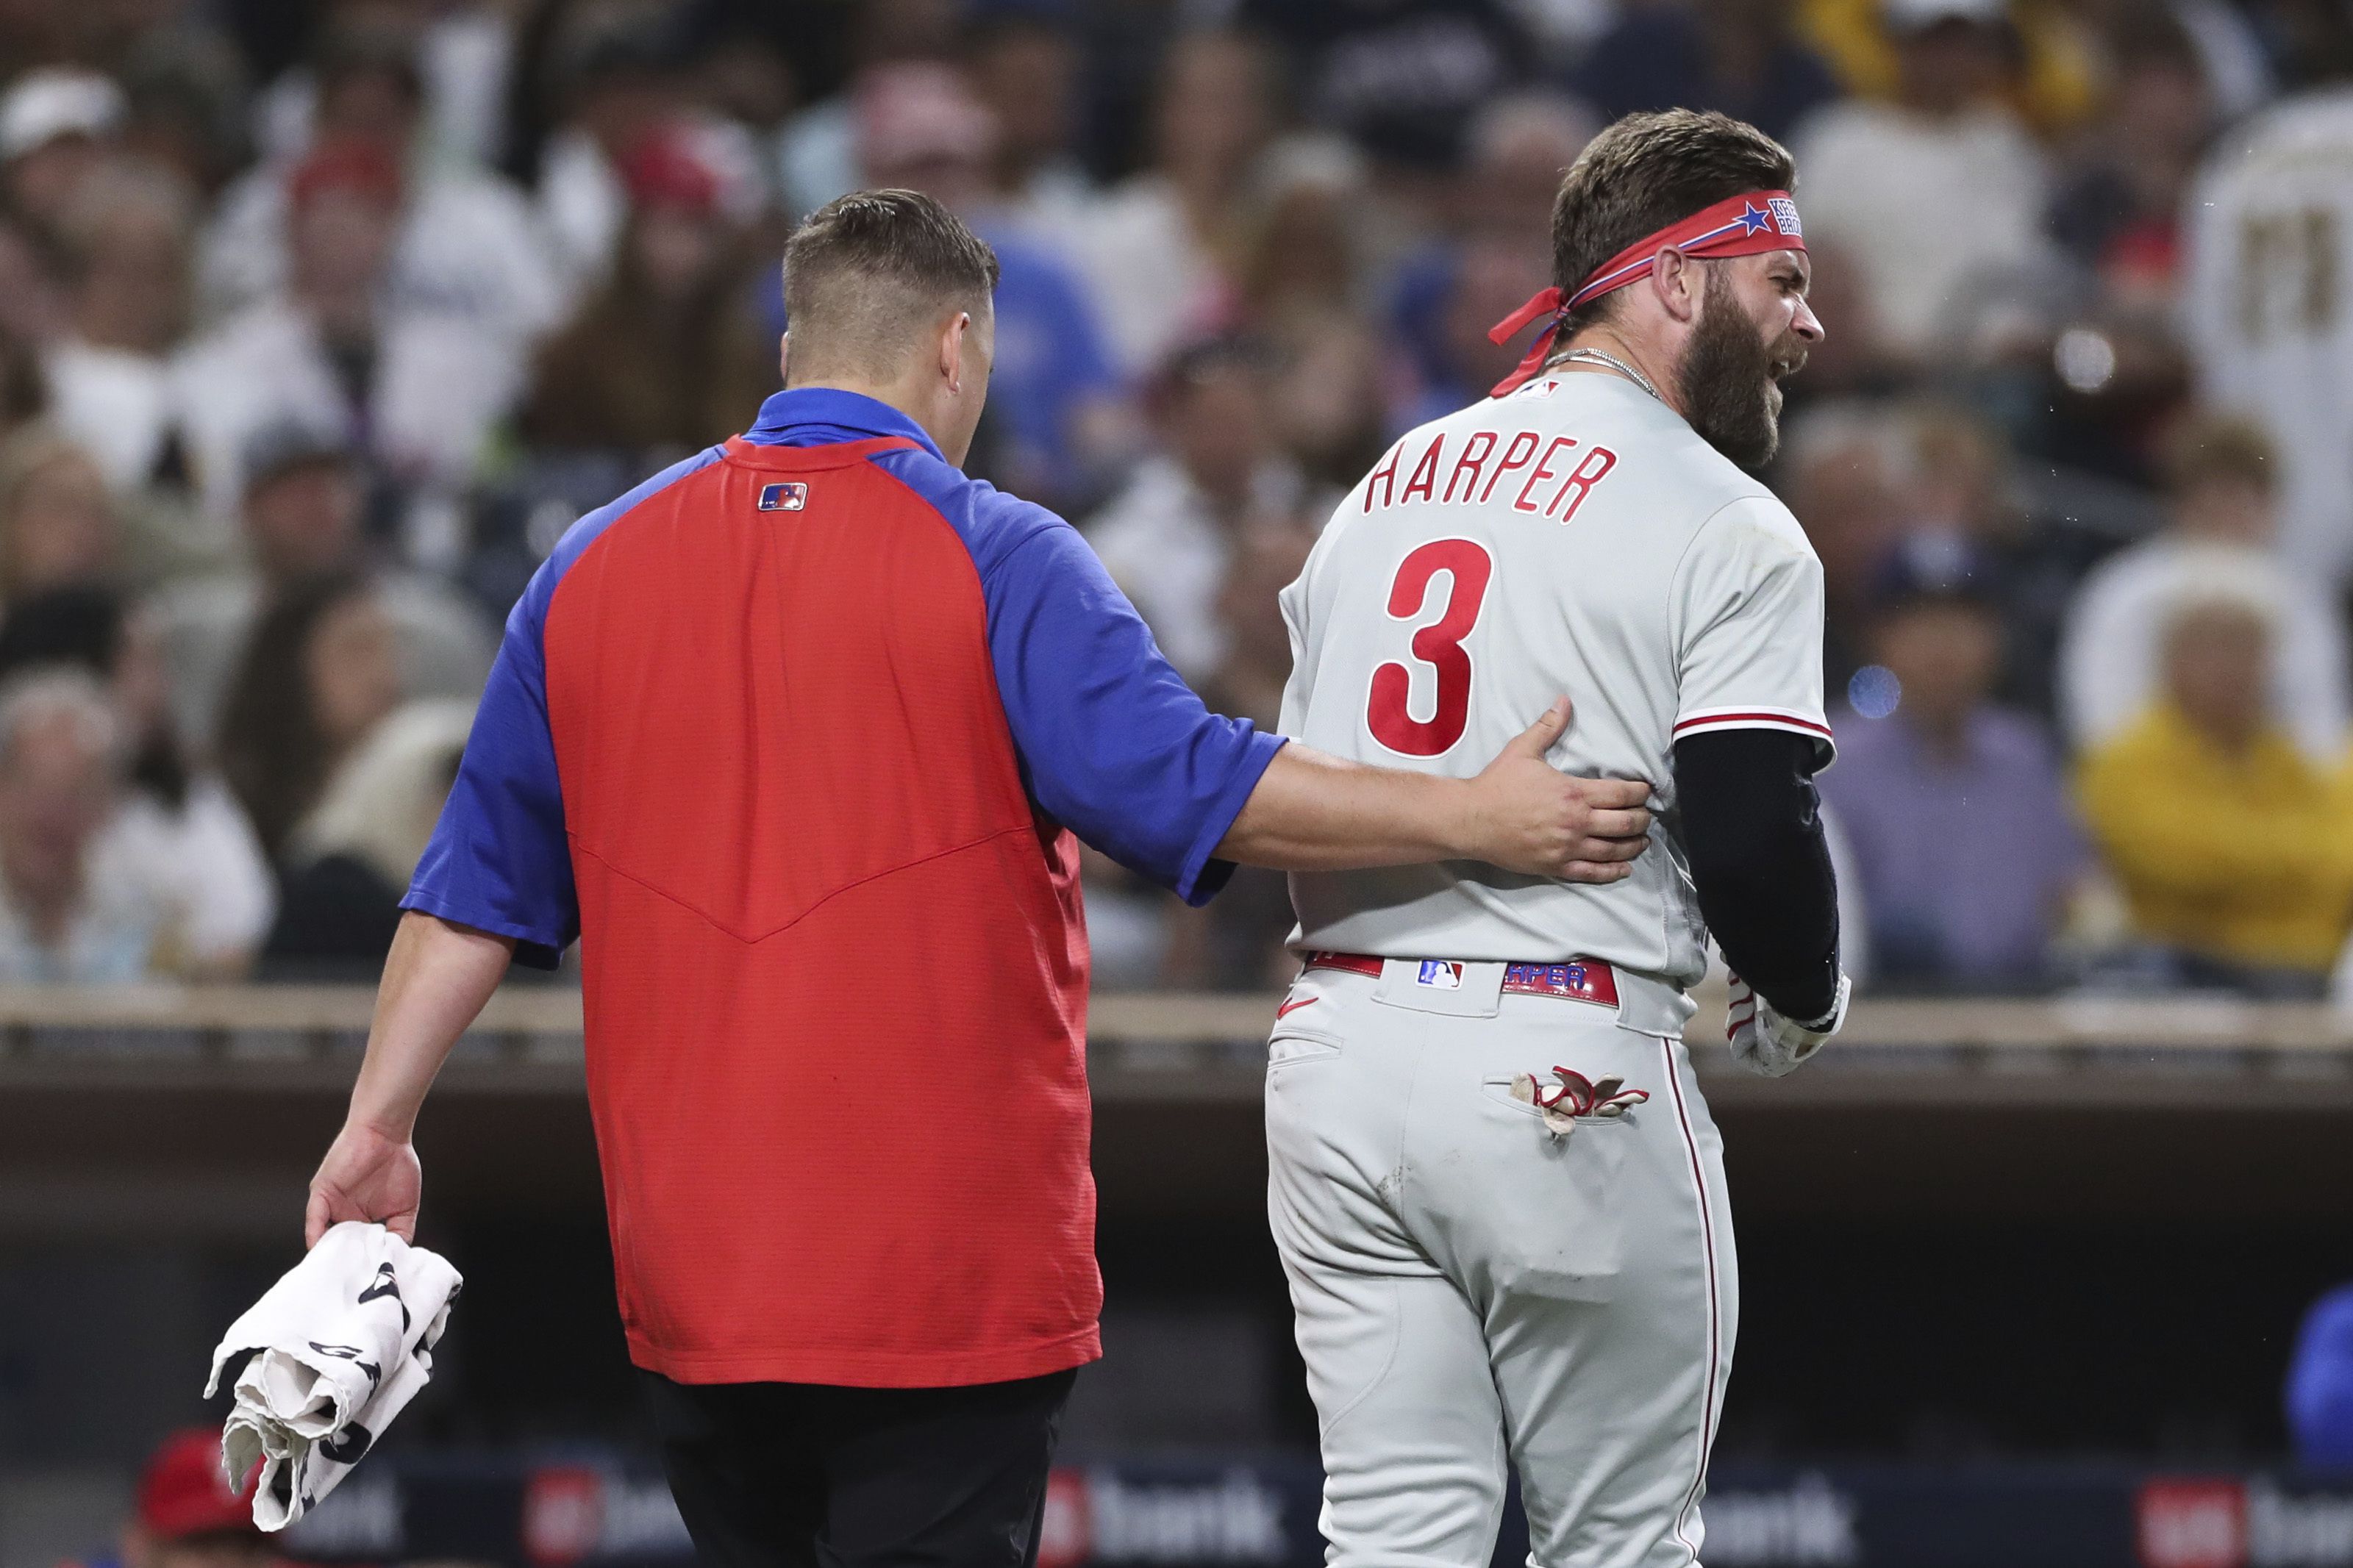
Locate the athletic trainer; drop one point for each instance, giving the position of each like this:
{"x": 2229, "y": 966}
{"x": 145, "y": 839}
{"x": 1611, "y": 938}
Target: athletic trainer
{"x": 794, "y": 738}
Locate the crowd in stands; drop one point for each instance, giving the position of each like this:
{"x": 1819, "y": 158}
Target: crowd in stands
{"x": 321, "y": 322}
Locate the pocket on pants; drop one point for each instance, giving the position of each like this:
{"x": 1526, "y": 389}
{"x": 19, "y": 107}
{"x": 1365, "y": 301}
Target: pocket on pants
{"x": 1291, "y": 1045}
{"x": 1550, "y": 1213}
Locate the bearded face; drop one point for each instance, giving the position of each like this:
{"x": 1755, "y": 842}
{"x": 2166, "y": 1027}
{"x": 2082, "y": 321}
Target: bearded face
{"x": 1731, "y": 377}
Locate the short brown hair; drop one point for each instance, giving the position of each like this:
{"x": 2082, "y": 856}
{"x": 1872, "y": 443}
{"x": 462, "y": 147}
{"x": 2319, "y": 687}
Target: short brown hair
{"x": 863, "y": 270}
{"x": 1645, "y": 172}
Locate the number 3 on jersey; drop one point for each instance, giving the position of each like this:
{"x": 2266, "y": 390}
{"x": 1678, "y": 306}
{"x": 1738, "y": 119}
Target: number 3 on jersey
{"x": 1438, "y": 645}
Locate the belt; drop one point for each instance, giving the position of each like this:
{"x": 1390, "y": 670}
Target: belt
{"x": 1579, "y": 980}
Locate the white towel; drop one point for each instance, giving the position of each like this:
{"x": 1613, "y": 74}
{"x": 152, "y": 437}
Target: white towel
{"x": 339, "y": 1346}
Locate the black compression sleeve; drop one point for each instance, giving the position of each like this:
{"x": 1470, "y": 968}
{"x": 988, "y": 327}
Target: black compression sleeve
{"x": 1753, "y": 829}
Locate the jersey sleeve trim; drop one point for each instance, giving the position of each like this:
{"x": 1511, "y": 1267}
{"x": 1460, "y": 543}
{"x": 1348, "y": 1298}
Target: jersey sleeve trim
{"x": 535, "y": 949}
{"x": 1204, "y": 877}
{"x": 1757, "y": 716}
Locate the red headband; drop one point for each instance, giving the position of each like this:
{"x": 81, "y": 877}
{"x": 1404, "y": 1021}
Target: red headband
{"x": 1737, "y": 226}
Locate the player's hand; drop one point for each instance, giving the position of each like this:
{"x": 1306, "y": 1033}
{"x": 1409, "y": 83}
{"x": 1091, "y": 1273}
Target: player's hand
{"x": 366, "y": 1177}
{"x": 1528, "y": 817}
{"x": 1769, "y": 1045}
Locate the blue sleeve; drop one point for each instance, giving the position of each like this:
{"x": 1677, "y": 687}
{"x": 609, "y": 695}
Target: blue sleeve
{"x": 1116, "y": 745}
{"x": 499, "y": 860}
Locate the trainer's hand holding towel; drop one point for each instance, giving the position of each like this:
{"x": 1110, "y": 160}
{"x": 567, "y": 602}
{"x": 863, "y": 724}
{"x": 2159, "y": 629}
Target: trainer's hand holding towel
{"x": 338, "y": 1347}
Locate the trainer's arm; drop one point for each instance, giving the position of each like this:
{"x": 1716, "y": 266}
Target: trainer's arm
{"x": 1313, "y": 812}
{"x": 1752, "y": 830}
{"x": 436, "y": 980}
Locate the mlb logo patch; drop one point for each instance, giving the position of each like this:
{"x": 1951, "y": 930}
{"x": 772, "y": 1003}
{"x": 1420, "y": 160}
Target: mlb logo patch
{"x": 1440, "y": 974}
{"x": 789, "y": 496}
{"x": 1784, "y": 216}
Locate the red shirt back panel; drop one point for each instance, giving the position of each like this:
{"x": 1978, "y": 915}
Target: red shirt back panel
{"x": 835, "y": 966}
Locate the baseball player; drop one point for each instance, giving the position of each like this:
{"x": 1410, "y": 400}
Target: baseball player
{"x": 2265, "y": 305}
{"x": 1496, "y": 1189}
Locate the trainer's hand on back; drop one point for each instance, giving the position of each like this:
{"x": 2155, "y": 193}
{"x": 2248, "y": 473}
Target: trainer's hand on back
{"x": 1528, "y": 817}
{"x": 366, "y": 1177}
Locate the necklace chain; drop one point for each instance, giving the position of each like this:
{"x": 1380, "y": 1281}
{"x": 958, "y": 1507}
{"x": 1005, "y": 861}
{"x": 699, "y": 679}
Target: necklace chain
{"x": 1609, "y": 362}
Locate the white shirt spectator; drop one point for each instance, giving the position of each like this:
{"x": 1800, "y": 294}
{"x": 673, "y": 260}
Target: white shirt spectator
{"x": 1925, "y": 205}
{"x": 112, "y": 939}
{"x": 439, "y": 384}
{"x": 2111, "y": 653}
{"x": 1153, "y": 285}
{"x": 470, "y": 245}
{"x": 117, "y": 403}
{"x": 1165, "y": 548}
{"x": 202, "y": 864}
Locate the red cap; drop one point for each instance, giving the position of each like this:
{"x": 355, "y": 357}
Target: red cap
{"x": 361, "y": 168}
{"x": 659, "y": 169}
{"x": 182, "y": 1492}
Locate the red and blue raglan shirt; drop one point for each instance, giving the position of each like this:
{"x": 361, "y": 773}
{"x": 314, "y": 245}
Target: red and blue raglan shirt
{"x": 794, "y": 738}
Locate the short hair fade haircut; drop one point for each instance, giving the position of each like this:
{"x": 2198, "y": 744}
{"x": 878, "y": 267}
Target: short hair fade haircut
{"x": 1644, "y": 172}
{"x": 862, "y": 271}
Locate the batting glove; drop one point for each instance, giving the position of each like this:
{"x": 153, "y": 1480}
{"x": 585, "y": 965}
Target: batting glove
{"x": 1770, "y": 1045}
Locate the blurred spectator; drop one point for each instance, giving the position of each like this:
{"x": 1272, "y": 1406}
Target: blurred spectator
{"x": 1401, "y": 80}
{"x": 185, "y": 1513}
{"x": 2260, "y": 897}
{"x": 1740, "y": 57}
{"x": 57, "y": 127}
{"x": 59, "y": 526}
{"x": 349, "y": 860}
{"x": 1237, "y": 946}
{"x": 1960, "y": 509}
{"x": 1518, "y": 147}
{"x": 2269, "y": 230}
{"x": 2222, "y": 482}
{"x": 185, "y": 85}
{"x": 2320, "y": 1384}
{"x": 126, "y": 247}
{"x": 1839, "y": 472}
{"x": 1161, "y": 249}
{"x": 1169, "y": 537}
{"x": 319, "y": 675}
{"x": 1054, "y": 417}
{"x": 177, "y": 828}
{"x": 1025, "y": 63}
{"x": 32, "y": 307}
{"x": 665, "y": 356}
{"x": 61, "y": 766}
{"x": 461, "y": 52}
{"x": 2118, "y": 212}
{"x": 816, "y": 154}
{"x": 1497, "y": 252}
{"x": 621, "y": 88}
{"x": 1953, "y": 815}
{"x": 302, "y": 521}
{"x": 1446, "y": 330}
{"x": 418, "y": 385}
{"x": 1934, "y": 192}
{"x": 467, "y": 244}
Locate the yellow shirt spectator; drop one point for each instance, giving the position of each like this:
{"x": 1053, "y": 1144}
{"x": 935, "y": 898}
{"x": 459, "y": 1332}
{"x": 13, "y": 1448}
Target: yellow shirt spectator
{"x": 2243, "y": 854}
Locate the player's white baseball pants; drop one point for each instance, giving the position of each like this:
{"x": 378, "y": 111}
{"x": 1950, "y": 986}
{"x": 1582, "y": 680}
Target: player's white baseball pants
{"x": 1470, "y": 1289}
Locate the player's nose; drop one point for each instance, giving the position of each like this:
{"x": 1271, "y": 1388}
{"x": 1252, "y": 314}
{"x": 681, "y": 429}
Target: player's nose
{"x": 1806, "y": 324}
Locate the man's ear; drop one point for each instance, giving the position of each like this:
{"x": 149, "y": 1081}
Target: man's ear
{"x": 1677, "y": 282}
{"x": 951, "y": 337}
{"x": 785, "y": 360}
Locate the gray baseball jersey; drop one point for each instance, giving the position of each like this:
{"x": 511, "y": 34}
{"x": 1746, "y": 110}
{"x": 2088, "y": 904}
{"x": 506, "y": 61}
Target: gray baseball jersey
{"x": 1576, "y": 536}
